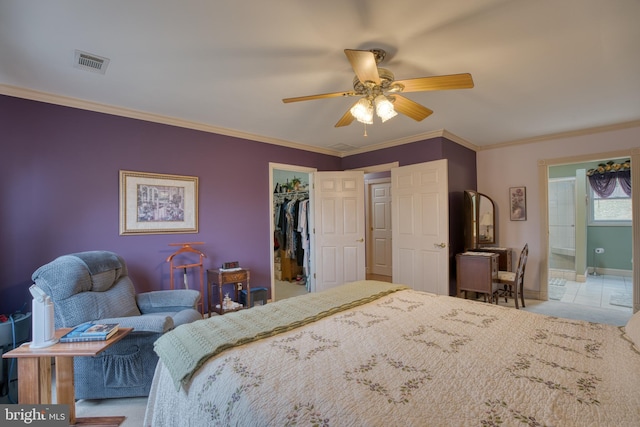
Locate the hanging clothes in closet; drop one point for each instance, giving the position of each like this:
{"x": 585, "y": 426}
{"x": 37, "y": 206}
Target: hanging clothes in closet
{"x": 291, "y": 227}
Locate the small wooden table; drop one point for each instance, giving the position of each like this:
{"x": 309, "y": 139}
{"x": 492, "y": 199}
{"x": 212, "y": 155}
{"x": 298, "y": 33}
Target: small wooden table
{"x": 477, "y": 272}
{"x": 218, "y": 278}
{"x": 34, "y": 373}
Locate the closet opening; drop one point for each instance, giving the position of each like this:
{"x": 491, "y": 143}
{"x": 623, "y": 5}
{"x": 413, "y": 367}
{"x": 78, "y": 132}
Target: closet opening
{"x": 291, "y": 249}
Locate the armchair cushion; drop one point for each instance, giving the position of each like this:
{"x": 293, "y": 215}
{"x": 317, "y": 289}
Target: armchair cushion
{"x": 79, "y": 296}
{"x": 162, "y": 301}
{"x": 159, "y": 323}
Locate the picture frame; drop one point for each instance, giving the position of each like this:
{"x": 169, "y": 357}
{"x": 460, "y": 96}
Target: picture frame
{"x": 518, "y": 203}
{"x": 153, "y": 203}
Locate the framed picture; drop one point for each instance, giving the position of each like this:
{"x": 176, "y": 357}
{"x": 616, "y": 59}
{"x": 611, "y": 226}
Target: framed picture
{"x": 518, "y": 203}
{"x": 152, "y": 203}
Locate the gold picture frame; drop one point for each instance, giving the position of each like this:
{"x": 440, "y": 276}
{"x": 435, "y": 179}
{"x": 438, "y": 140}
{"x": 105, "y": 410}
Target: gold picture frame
{"x": 153, "y": 203}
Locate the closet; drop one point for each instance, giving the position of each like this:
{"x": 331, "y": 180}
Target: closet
{"x": 291, "y": 244}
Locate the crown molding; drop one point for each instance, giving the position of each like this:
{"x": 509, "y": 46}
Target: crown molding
{"x": 567, "y": 134}
{"x": 65, "y": 101}
{"x": 82, "y": 104}
{"x": 414, "y": 138}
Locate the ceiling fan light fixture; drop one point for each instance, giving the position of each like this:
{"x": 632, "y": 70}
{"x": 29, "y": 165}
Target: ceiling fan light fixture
{"x": 362, "y": 111}
{"x": 384, "y": 108}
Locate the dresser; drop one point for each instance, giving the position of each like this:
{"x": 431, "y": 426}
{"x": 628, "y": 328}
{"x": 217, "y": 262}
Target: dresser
{"x": 504, "y": 254}
{"x": 477, "y": 272}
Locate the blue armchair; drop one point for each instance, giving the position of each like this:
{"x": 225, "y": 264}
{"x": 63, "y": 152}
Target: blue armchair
{"x": 95, "y": 286}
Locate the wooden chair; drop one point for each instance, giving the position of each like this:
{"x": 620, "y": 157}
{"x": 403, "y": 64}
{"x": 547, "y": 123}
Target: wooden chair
{"x": 513, "y": 281}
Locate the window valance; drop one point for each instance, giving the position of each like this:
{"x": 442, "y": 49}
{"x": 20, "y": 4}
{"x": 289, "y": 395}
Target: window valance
{"x": 603, "y": 178}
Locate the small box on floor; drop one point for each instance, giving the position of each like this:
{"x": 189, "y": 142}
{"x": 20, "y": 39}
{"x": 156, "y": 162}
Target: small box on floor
{"x": 258, "y": 296}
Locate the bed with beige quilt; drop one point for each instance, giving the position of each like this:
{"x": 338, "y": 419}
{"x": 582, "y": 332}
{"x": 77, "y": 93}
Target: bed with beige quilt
{"x": 377, "y": 354}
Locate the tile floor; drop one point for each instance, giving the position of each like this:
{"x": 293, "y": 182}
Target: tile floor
{"x": 600, "y": 291}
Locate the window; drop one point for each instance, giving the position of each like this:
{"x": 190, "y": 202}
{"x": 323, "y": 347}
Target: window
{"x": 613, "y": 210}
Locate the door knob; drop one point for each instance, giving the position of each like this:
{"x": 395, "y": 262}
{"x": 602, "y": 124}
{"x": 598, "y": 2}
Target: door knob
{"x": 441, "y": 245}
{"x": 360, "y": 240}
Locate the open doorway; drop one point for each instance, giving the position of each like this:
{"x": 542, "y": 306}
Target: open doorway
{"x": 589, "y": 260}
{"x": 377, "y": 180}
{"x": 379, "y": 254}
{"x": 290, "y": 247}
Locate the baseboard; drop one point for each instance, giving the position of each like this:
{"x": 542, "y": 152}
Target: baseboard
{"x": 611, "y": 272}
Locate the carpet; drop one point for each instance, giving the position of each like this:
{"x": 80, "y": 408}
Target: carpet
{"x": 578, "y": 312}
{"x": 556, "y": 288}
{"x": 622, "y": 299}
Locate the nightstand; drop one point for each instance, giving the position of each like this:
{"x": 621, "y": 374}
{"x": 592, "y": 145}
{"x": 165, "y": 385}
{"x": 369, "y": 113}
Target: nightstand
{"x": 219, "y": 280}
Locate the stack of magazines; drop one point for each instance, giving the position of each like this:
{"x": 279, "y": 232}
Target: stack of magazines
{"x": 90, "y": 332}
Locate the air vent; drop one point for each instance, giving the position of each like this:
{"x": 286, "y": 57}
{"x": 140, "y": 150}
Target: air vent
{"x": 90, "y": 62}
{"x": 342, "y": 147}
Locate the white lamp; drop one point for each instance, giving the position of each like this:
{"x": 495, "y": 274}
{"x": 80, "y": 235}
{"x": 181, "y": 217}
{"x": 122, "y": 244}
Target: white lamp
{"x": 486, "y": 221}
{"x": 384, "y": 108}
{"x": 363, "y": 111}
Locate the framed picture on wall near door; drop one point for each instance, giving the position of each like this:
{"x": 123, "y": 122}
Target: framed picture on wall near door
{"x": 518, "y": 203}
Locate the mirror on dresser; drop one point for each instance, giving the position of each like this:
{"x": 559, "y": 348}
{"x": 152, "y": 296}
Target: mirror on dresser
{"x": 479, "y": 227}
{"x": 479, "y": 220}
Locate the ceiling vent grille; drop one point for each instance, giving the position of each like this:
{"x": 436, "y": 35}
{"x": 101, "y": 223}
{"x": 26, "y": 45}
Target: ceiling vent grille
{"x": 90, "y": 62}
{"x": 342, "y": 147}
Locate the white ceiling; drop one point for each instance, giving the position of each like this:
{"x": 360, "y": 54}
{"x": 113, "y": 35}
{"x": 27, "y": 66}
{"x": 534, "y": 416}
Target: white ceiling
{"x": 540, "y": 67}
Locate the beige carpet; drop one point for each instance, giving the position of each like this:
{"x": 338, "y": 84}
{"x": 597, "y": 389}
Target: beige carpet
{"x": 286, "y": 289}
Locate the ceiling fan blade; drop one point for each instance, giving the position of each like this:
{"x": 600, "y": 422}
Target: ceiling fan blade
{"x": 320, "y": 96}
{"x": 410, "y": 108}
{"x": 452, "y": 81}
{"x": 364, "y": 64}
{"x": 346, "y": 119}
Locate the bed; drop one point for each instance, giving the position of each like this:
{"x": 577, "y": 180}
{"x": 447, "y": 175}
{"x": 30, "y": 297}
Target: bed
{"x": 377, "y": 354}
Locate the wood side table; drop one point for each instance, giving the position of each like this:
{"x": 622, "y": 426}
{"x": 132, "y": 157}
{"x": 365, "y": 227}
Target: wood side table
{"x": 218, "y": 278}
{"x": 477, "y": 272}
{"x": 34, "y": 373}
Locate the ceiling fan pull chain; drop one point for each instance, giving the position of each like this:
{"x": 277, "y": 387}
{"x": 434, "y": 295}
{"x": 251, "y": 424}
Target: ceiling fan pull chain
{"x": 365, "y": 129}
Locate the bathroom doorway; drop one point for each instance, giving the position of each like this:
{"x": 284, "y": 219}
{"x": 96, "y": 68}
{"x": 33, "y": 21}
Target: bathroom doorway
{"x": 589, "y": 260}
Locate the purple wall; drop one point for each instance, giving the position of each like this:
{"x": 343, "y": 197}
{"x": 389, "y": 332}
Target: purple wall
{"x": 406, "y": 154}
{"x": 59, "y": 190}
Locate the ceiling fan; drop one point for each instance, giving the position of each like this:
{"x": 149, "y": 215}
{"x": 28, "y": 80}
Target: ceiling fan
{"x": 378, "y": 90}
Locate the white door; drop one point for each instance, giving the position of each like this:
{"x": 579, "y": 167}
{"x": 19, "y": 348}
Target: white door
{"x": 338, "y": 206}
{"x": 420, "y": 226}
{"x": 380, "y": 242}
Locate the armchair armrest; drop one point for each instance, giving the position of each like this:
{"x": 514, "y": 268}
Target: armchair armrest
{"x": 167, "y": 301}
{"x": 159, "y": 323}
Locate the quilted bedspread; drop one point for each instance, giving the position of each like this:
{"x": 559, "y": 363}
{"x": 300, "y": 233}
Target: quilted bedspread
{"x": 411, "y": 358}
